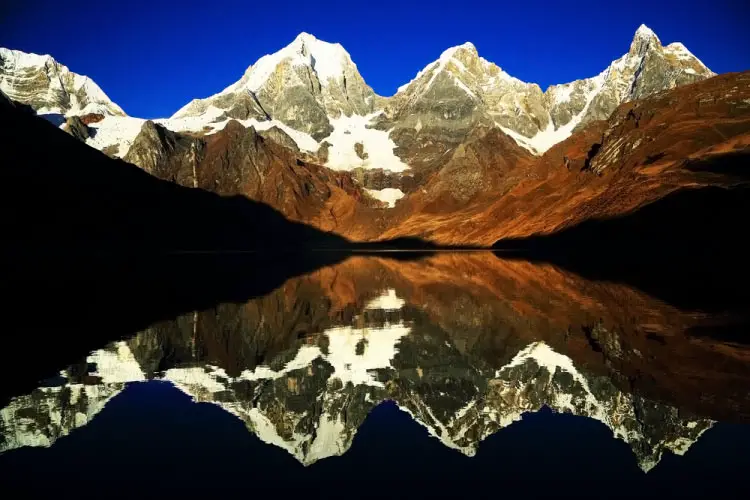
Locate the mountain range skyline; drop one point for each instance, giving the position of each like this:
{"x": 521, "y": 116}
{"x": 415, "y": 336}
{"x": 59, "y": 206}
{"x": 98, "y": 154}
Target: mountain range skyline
{"x": 642, "y": 30}
{"x": 149, "y": 78}
{"x": 309, "y": 82}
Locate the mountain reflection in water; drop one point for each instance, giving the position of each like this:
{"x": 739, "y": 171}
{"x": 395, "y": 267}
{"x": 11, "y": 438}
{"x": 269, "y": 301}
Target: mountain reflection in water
{"x": 464, "y": 344}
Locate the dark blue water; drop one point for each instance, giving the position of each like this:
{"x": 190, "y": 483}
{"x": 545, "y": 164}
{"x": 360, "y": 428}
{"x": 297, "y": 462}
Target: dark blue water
{"x": 153, "y": 440}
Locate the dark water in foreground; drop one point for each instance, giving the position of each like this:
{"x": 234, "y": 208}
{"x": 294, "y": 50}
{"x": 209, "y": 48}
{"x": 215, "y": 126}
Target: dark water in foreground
{"x": 452, "y": 375}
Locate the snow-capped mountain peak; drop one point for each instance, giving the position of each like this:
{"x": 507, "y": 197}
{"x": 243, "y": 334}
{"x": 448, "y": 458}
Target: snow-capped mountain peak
{"x": 25, "y": 59}
{"x": 457, "y": 61}
{"x": 50, "y": 87}
{"x": 643, "y": 39}
{"x": 645, "y": 33}
{"x": 327, "y": 60}
{"x": 304, "y": 86}
{"x": 450, "y": 53}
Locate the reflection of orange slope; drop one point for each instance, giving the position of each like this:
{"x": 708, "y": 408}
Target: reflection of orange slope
{"x": 490, "y": 309}
{"x": 493, "y": 308}
{"x": 645, "y": 151}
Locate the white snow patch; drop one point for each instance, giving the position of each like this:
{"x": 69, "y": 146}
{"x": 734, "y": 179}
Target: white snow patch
{"x": 328, "y": 60}
{"x": 561, "y": 93}
{"x": 380, "y": 348}
{"x": 116, "y": 365}
{"x": 122, "y": 130}
{"x": 119, "y": 130}
{"x": 387, "y": 195}
{"x": 266, "y": 432}
{"x": 349, "y": 130}
{"x": 521, "y": 140}
{"x": 463, "y": 87}
{"x": 305, "y": 356}
{"x": 329, "y": 439}
{"x": 550, "y": 136}
{"x": 198, "y": 377}
{"x": 389, "y": 301}
{"x": 545, "y": 357}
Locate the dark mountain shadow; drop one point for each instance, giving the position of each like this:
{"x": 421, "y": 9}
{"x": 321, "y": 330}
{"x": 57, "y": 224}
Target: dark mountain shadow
{"x": 733, "y": 164}
{"x": 59, "y": 308}
{"x": 55, "y": 119}
{"x": 689, "y": 248}
{"x": 96, "y": 249}
{"x": 58, "y": 193}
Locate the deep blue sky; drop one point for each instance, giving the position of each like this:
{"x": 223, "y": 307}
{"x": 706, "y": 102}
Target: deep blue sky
{"x": 152, "y": 57}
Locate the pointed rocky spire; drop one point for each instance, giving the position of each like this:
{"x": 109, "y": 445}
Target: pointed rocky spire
{"x": 643, "y": 39}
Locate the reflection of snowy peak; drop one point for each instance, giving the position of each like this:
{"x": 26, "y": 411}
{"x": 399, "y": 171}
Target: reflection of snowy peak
{"x": 69, "y": 402}
{"x": 49, "y": 87}
{"x": 311, "y": 398}
{"x": 312, "y": 405}
{"x": 538, "y": 376}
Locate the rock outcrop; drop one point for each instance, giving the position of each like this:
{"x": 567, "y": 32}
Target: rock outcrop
{"x": 76, "y": 127}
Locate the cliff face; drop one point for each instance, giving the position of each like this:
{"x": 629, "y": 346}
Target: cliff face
{"x": 241, "y": 161}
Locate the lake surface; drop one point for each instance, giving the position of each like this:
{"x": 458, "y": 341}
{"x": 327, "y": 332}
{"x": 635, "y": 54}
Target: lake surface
{"x": 454, "y": 374}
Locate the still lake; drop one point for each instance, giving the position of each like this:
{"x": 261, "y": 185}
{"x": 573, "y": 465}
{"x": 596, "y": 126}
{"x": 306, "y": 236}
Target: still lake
{"x": 451, "y": 374}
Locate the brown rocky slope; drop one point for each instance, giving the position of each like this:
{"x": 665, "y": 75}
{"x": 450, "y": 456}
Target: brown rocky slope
{"x": 259, "y": 166}
{"x": 677, "y": 140}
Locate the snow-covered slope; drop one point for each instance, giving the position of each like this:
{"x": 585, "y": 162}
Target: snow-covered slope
{"x": 49, "y": 87}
